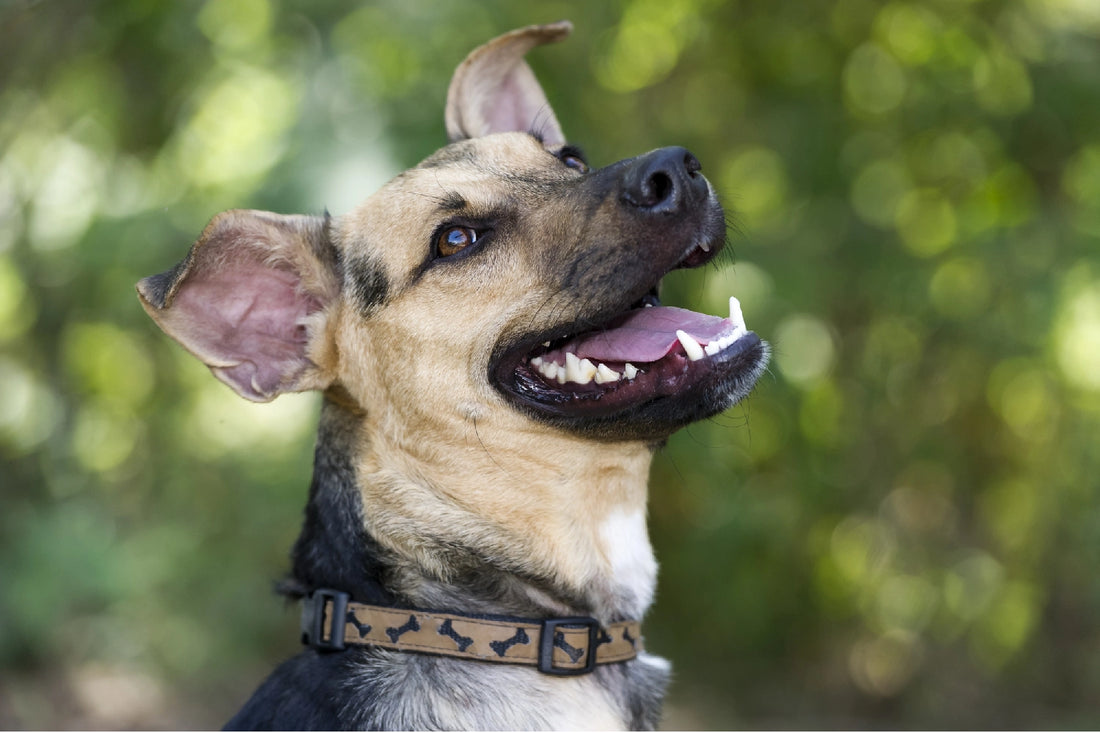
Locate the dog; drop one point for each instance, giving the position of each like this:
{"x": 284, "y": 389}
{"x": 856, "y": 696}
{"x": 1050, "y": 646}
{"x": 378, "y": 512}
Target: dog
{"x": 497, "y": 371}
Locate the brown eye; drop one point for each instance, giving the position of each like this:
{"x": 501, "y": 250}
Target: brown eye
{"x": 454, "y": 240}
{"x": 574, "y": 161}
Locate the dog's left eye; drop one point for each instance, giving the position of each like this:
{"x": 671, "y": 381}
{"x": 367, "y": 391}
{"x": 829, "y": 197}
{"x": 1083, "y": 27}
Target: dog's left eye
{"x": 455, "y": 239}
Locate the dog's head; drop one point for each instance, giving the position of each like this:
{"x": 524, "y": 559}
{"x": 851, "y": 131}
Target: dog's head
{"x": 501, "y": 280}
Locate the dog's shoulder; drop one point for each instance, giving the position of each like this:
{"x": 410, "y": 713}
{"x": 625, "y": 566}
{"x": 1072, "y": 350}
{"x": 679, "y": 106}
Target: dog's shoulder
{"x": 303, "y": 693}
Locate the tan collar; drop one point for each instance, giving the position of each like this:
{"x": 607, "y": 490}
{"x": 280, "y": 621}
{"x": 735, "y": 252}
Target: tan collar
{"x": 558, "y": 646}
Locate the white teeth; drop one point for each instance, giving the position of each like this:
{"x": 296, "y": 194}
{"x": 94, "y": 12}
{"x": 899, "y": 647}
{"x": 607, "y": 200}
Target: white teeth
{"x": 588, "y": 371}
{"x": 573, "y": 369}
{"x": 704, "y": 246}
{"x": 585, "y": 371}
{"x": 549, "y": 369}
{"x": 546, "y": 344}
{"x": 691, "y": 346}
{"x": 736, "y": 317}
{"x": 604, "y": 374}
{"x": 715, "y": 346}
{"x": 580, "y": 371}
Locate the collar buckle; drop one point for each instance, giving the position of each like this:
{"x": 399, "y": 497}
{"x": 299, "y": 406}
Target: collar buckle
{"x": 313, "y": 619}
{"x": 546, "y": 645}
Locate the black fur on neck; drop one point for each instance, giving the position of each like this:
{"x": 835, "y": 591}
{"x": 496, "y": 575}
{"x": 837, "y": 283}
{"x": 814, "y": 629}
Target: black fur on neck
{"x": 334, "y": 549}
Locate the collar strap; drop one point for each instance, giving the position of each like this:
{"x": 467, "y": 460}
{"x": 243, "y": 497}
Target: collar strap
{"x": 559, "y": 646}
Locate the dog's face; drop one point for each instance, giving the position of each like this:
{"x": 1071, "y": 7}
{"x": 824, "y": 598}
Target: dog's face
{"x": 500, "y": 281}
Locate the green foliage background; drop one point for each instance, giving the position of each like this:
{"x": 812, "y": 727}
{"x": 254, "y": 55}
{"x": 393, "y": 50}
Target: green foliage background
{"x": 901, "y": 528}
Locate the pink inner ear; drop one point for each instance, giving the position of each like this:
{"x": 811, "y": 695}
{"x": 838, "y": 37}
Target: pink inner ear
{"x": 246, "y": 321}
{"x": 514, "y": 108}
{"x": 518, "y": 105}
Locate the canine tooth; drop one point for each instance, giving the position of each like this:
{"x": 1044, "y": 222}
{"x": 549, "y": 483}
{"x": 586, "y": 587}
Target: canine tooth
{"x": 736, "y": 317}
{"x": 605, "y": 374}
{"x": 536, "y": 362}
{"x": 704, "y": 246}
{"x": 648, "y": 305}
{"x": 546, "y": 344}
{"x": 691, "y": 346}
{"x": 630, "y": 371}
{"x": 713, "y": 348}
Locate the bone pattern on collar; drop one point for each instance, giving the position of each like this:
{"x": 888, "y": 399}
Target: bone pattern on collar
{"x": 508, "y": 641}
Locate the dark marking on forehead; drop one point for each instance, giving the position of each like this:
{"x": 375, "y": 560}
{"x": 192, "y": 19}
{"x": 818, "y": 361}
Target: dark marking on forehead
{"x": 452, "y": 202}
{"x": 366, "y": 282}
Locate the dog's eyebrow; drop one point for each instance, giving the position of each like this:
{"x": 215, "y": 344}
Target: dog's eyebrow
{"x": 452, "y": 202}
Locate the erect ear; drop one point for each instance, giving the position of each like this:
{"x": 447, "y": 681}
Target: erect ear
{"x": 494, "y": 90}
{"x": 250, "y": 300}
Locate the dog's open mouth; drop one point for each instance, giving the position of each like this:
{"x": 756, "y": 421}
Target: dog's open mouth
{"x": 643, "y": 356}
{"x": 655, "y": 340}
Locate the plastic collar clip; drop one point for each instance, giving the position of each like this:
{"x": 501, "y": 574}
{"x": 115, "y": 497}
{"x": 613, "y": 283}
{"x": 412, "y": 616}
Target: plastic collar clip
{"x": 313, "y": 619}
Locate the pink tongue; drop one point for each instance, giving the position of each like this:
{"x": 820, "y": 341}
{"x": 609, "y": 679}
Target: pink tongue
{"x": 648, "y": 334}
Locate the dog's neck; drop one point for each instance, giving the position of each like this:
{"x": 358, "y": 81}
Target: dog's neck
{"x": 557, "y": 531}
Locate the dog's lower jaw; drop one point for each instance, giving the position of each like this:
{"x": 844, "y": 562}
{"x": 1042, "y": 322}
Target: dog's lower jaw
{"x": 346, "y": 543}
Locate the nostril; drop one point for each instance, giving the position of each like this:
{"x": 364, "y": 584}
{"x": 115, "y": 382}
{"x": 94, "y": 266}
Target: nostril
{"x": 660, "y": 187}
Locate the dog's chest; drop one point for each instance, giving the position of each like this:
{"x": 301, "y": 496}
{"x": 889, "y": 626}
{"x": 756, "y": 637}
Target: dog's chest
{"x": 411, "y": 692}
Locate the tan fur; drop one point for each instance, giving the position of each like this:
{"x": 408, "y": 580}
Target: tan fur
{"x": 468, "y": 496}
{"x": 425, "y": 464}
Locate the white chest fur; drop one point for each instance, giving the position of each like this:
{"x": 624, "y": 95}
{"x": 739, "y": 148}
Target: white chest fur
{"x": 625, "y": 543}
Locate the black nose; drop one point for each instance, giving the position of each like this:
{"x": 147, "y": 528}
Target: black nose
{"x": 665, "y": 181}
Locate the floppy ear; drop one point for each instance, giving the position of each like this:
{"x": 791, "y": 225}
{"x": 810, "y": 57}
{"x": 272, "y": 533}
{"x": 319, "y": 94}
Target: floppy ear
{"x": 249, "y": 300}
{"x": 494, "y": 90}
